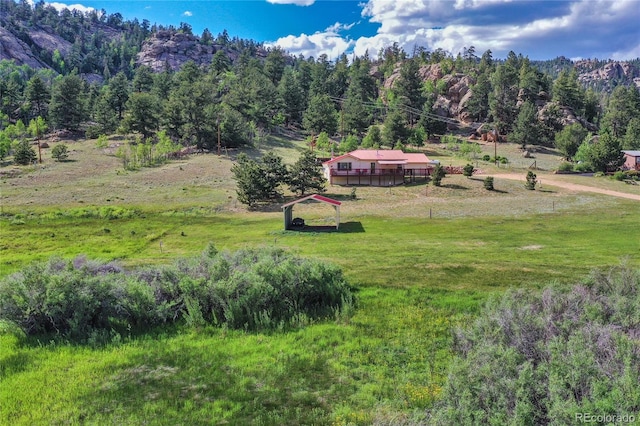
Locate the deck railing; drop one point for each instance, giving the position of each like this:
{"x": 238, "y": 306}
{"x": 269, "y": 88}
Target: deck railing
{"x": 382, "y": 172}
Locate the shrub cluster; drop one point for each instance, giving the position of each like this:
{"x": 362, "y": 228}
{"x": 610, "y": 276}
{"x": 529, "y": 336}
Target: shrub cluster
{"x": 249, "y": 289}
{"x": 539, "y": 359}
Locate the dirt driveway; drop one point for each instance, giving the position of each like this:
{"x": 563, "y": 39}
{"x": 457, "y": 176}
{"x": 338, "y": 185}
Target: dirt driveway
{"x": 548, "y": 180}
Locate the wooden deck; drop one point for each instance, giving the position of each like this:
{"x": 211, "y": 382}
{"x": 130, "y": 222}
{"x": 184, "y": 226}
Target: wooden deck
{"x": 378, "y": 177}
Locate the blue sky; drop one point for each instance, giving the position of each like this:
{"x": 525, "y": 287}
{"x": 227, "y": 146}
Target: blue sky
{"x": 538, "y": 29}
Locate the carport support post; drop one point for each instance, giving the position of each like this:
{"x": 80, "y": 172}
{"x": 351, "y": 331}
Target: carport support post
{"x": 287, "y": 217}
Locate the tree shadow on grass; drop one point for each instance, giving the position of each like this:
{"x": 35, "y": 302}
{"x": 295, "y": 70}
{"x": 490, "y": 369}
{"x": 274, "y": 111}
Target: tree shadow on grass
{"x": 454, "y": 186}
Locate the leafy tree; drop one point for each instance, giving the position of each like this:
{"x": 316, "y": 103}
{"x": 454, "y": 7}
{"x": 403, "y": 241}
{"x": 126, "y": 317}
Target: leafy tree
{"x": 321, "y": 116}
{"x": 60, "y": 152}
{"x": 373, "y": 138}
{"x": 24, "y": 153}
{"x": 67, "y": 109}
{"x": 606, "y": 154}
{"x": 350, "y": 143}
{"x": 323, "y": 142}
{"x": 5, "y": 145}
{"x": 568, "y": 140}
{"x": 306, "y": 174}
{"x": 526, "y": 130}
{"x": 631, "y": 138}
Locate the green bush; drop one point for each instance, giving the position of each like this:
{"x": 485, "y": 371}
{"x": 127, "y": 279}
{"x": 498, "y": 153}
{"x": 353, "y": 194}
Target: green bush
{"x": 488, "y": 183}
{"x": 565, "y": 166}
{"x": 541, "y": 357}
{"x": 531, "y": 181}
{"x": 486, "y": 157}
{"x": 583, "y": 167}
{"x": 248, "y": 289}
{"x": 23, "y": 153}
{"x": 467, "y": 170}
{"x": 60, "y": 152}
{"x": 438, "y": 174}
{"x": 619, "y": 175}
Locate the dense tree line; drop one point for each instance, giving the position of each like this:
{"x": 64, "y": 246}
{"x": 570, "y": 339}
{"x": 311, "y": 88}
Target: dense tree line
{"x": 233, "y": 103}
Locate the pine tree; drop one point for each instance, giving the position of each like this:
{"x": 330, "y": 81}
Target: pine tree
{"x": 67, "y": 108}
{"x": 321, "y": 116}
{"x": 24, "y": 153}
{"x": 306, "y": 174}
{"x": 526, "y": 130}
{"x": 395, "y": 128}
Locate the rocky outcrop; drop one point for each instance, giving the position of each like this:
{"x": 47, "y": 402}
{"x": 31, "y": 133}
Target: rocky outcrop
{"x": 169, "y": 49}
{"x": 612, "y": 71}
{"x": 567, "y": 116}
{"x": 50, "y": 42}
{"x": 12, "y": 48}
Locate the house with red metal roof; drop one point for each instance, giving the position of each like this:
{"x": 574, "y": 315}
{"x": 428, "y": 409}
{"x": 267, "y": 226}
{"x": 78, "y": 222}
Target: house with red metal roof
{"x": 377, "y": 167}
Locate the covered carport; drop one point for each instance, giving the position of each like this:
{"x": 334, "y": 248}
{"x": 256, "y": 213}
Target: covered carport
{"x": 287, "y": 209}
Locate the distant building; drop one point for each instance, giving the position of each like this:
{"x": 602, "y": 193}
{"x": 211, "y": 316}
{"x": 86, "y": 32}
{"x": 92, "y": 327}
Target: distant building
{"x": 377, "y": 167}
{"x": 631, "y": 160}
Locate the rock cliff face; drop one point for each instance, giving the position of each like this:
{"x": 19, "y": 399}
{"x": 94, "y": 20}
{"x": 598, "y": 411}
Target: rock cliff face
{"x": 12, "y": 47}
{"x": 169, "y": 50}
{"x": 612, "y": 71}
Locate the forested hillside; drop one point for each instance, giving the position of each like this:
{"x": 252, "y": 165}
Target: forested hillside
{"x": 97, "y": 73}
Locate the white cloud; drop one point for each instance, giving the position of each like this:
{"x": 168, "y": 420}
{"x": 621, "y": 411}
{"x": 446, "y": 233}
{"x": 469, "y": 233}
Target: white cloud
{"x": 187, "y": 13}
{"x": 328, "y": 42}
{"x": 79, "y": 7}
{"x": 296, "y": 2}
{"x": 542, "y": 30}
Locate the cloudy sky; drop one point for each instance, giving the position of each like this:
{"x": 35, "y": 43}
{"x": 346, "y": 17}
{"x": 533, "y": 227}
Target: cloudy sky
{"x": 538, "y": 29}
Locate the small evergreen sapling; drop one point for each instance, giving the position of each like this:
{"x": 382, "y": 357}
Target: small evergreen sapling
{"x": 531, "y": 181}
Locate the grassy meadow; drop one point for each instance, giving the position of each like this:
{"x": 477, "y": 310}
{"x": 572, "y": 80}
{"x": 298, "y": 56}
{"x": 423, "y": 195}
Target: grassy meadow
{"x": 421, "y": 259}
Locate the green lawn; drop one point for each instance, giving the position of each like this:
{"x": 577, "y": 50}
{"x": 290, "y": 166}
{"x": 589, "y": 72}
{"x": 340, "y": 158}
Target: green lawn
{"x": 415, "y": 278}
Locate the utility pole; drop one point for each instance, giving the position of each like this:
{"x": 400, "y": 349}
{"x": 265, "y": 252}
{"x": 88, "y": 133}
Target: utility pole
{"x": 342, "y": 120}
{"x": 218, "y": 136}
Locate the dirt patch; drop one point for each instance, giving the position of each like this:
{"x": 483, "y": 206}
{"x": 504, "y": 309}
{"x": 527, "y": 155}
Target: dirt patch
{"x": 570, "y": 186}
{"x": 531, "y": 247}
